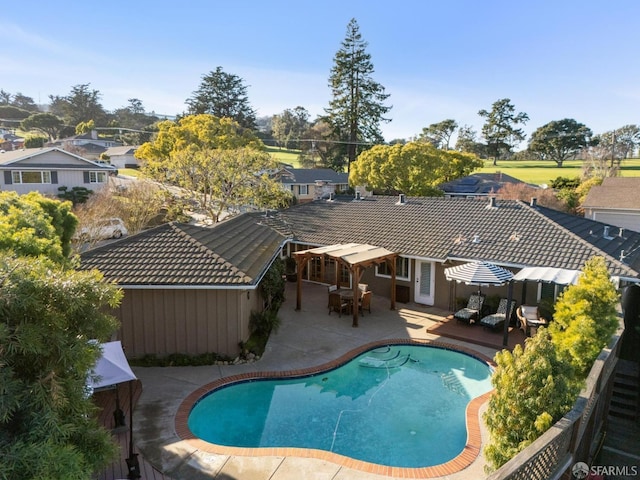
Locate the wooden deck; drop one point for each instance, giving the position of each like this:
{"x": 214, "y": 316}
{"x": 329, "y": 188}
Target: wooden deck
{"x": 106, "y": 401}
{"x": 449, "y": 327}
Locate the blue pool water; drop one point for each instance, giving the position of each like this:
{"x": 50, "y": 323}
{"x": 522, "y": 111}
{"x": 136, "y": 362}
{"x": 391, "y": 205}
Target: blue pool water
{"x": 398, "y": 405}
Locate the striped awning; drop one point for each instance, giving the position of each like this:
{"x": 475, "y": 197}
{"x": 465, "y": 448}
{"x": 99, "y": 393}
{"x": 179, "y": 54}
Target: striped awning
{"x": 478, "y": 273}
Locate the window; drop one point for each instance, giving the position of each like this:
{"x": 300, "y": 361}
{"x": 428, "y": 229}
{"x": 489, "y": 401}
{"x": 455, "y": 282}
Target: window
{"x": 97, "y": 177}
{"x": 304, "y": 189}
{"x": 402, "y": 269}
{"x": 31, "y": 177}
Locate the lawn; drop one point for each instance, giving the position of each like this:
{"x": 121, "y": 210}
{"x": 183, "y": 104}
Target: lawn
{"x": 539, "y": 172}
{"x": 285, "y": 156}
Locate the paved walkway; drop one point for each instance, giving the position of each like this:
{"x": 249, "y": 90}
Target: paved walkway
{"x": 306, "y": 338}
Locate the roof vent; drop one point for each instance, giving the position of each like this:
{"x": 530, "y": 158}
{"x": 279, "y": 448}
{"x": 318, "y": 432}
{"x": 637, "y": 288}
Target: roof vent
{"x": 605, "y": 233}
{"x": 402, "y": 199}
{"x": 492, "y": 202}
{"x": 357, "y": 195}
{"x": 331, "y": 195}
{"x": 534, "y": 202}
{"x": 621, "y": 233}
{"x": 514, "y": 237}
{"x": 476, "y": 239}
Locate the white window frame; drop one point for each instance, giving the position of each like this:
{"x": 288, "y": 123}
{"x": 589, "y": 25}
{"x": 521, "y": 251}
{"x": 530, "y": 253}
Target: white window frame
{"x": 16, "y": 177}
{"x": 94, "y": 177}
{"x": 399, "y": 274}
{"x": 303, "y": 189}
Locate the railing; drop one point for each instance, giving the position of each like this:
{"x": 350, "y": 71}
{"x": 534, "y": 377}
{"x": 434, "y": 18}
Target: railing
{"x": 575, "y": 437}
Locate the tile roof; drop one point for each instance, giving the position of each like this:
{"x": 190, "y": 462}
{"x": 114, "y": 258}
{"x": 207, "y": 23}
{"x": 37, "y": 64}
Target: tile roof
{"x": 615, "y": 192}
{"x": 233, "y": 253}
{"x": 238, "y": 250}
{"x": 511, "y": 233}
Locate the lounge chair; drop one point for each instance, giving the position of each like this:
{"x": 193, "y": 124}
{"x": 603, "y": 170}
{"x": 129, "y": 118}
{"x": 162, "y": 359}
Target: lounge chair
{"x": 338, "y": 304}
{"x": 471, "y": 312}
{"x": 364, "y": 303}
{"x": 497, "y": 319}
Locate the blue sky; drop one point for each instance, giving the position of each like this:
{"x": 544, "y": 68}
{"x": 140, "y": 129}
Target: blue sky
{"x": 437, "y": 60}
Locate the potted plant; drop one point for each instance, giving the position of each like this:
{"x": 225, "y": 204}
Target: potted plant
{"x": 290, "y": 269}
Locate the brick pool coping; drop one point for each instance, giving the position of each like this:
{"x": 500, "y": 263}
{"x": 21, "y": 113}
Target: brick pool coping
{"x": 467, "y": 456}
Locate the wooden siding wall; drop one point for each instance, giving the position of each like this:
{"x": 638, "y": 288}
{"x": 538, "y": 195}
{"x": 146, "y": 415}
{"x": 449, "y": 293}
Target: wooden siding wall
{"x": 162, "y": 322}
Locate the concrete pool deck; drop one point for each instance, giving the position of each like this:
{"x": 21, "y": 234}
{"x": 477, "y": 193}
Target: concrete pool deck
{"x": 305, "y": 339}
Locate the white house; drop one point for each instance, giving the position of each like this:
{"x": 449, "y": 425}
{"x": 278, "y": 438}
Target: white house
{"x": 123, "y": 157}
{"x": 46, "y": 169}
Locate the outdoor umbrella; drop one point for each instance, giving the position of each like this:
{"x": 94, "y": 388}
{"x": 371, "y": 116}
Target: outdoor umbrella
{"x": 482, "y": 274}
{"x": 111, "y": 369}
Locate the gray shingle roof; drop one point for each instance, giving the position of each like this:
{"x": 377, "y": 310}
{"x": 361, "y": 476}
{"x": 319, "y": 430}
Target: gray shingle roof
{"x": 307, "y": 176}
{"x": 235, "y": 252}
{"x": 615, "y": 192}
{"x": 478, "y": 184}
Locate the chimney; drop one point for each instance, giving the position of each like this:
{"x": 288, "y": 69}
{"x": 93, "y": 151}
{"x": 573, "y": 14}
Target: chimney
{"x": 534, "y": 202}
{"x": 401, "y": 199}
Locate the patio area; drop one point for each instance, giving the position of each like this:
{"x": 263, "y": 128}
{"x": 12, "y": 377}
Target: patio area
{"x": 306, "y": 338}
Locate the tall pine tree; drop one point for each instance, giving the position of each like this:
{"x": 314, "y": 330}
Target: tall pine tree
{"x": 357, "y": 107}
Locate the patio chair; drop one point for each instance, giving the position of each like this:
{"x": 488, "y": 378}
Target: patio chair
{"x": 337, "y": 304}
{"x": 470, "y": 313}
{"x": 364, "y": 302}
{"x": 497, "y": 319}
{"x": 528, "y": 318}
{"x": 331, "y": 288}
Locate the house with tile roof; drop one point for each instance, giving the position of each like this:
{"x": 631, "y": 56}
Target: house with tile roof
{"x": 615, "y": 202}
{"x": 192, "y": 289}
{"x": 45, "y": 170}
{"x": 308, "y": 184}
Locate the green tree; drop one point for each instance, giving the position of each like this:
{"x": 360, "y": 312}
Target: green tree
{"x": 499, "y": 129}
{"x": 33, "y": 225}
{"x": 229, "y": 179}
{"x": 620, "y": 143}
{"x": 533, "y": 390}
{"x": 11, "y": 116}
{"x": 34, "y": 142}
{"x": 439, "y": 134}
{"x": 357, "y": 105}
{"x": 85, "y": 127}
{"x": 290, "y": 125}
{"x": 319, "y": 150}
{"x": 18, "y": 100}
{"x": 46, "y": 123}
{"x": 467, "y": 142}
{"x": 48, "y": 316}
{"x": 133, "y": 116}
{"x": 223, "y": 95}
{"x": 414, "y": 168}
{"x": 560, "y": 140}
{"x": 585, "y": 317}
{"x": 81, "y": 105}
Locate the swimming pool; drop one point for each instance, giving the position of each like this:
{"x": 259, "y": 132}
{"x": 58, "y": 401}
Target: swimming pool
{"x": 394, "y": 405}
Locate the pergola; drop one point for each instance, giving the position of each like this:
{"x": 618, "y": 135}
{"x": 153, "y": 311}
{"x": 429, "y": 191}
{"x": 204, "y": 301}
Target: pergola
{"x": 355, "y": 257}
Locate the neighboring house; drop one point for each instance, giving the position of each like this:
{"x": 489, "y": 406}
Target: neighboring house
{"x": 123, "y": 157}
{"x": 191, "y": 289}
{"x": 309, "y": 184}
{"x": 616, "y": 202}
{"x": 477, "y": 185}
{"x": 46, "y": 169}
{"x": 90, "y": 139}
{"x": 9, "y": 141}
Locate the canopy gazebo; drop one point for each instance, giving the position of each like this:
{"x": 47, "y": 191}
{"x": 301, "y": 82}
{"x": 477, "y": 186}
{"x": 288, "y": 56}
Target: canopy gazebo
{"x": 355, "y": 257}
